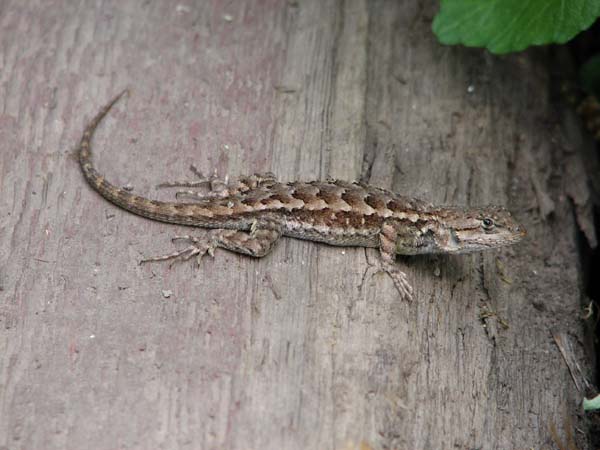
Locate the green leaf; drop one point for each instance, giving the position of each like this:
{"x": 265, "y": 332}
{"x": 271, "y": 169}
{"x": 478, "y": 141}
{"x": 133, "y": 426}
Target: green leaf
{"x": 504, "y": 26}
{"x": 589, "y": 75}
{"x": 591, "y": 405}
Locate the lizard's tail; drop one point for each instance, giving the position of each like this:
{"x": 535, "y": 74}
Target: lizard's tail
{"x": 112, "y": 193}
{"x": 195, "y": 214}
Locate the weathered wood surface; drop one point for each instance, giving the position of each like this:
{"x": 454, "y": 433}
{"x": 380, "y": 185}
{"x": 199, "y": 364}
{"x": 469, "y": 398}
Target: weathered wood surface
{"x": 309, "y": 347}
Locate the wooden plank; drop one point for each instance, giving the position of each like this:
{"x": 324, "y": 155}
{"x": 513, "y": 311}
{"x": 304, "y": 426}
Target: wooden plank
{"x": 309, "y": 347}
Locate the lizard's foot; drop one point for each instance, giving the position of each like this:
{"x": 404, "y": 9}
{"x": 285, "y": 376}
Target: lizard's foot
{"x": 400, "y": 281}
{"x": 198, "y": 247}
{"x": 257, "y": 242}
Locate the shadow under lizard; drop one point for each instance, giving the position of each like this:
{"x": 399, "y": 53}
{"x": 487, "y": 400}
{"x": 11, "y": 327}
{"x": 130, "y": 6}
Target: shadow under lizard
{"x": 250, "y": 214}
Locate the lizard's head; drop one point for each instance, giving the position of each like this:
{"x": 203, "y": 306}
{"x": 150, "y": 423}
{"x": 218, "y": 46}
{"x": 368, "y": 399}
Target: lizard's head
{"x": 472, "y": 230}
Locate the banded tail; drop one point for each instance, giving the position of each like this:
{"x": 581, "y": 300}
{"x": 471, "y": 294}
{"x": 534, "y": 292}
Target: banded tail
{"x": 194, "y": 214}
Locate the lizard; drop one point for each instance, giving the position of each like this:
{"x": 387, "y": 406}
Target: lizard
{"x": 249, "y": 215}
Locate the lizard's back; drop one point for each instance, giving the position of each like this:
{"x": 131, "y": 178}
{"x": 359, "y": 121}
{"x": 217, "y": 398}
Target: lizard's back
{"x": 335, "y": 211}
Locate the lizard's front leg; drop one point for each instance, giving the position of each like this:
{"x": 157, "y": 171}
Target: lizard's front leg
{"x": 387, "y": 248}
{"x": 257, "y": 242}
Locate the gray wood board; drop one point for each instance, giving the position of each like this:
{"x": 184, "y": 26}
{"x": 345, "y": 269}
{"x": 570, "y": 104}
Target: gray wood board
{"x": 309, "y": 347}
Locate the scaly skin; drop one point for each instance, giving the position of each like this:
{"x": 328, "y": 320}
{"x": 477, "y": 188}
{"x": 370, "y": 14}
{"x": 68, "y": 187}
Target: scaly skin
{"x": 250, "y": 214}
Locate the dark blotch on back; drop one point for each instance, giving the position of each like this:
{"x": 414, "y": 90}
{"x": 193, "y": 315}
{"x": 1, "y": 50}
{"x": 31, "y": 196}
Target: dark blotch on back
{"x": 303, "y": 195}
{"x": 279, "y": 196}
{"x": 352, "y": 198}
{"x": 253, "y": 201}
{"x": 375, "y": 201}
{"x": 328, "y": 195}
{"x": 401, "y": 204}
{"x": 338, "y": 220}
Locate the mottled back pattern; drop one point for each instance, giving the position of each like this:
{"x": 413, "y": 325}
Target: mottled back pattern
{"x": 251, "y": 214}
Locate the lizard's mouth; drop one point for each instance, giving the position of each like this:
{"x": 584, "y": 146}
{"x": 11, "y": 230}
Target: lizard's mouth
{"x": 468, "y": 241}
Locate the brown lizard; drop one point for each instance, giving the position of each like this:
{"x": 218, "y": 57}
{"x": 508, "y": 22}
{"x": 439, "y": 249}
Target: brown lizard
{"x": 249, "y": 216}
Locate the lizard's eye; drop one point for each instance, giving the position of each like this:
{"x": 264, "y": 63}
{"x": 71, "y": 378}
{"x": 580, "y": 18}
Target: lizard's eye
{"x": 487, "y": 223}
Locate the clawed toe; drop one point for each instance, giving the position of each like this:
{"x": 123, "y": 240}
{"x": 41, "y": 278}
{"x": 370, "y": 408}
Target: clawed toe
{"x": 198, "y": 248}
{"x": 215, "y": 186}
{"x": 193, "y": 195}
{"x": 192, "y": 184}
{"x": 400, "y": 281}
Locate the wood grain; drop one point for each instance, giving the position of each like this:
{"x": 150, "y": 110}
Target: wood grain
{"x": 309, "y": 347}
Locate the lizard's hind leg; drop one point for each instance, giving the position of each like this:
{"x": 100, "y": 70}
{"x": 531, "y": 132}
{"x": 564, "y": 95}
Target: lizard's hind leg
{"x": 257, "y": 242}
{"x": 215, "y": 187}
